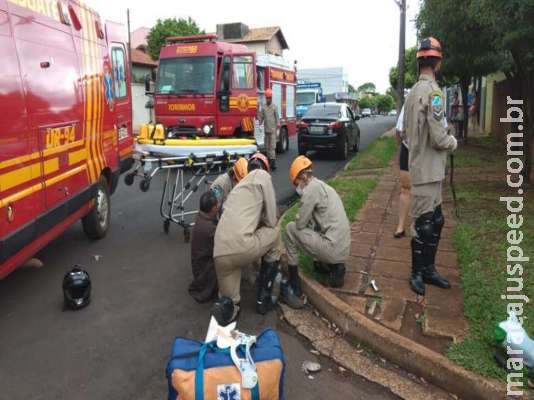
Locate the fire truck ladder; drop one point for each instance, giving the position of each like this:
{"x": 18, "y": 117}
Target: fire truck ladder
{"x": 178, "y": 186}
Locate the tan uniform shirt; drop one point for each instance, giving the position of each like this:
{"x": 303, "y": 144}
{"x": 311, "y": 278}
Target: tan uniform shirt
{"x": 269, "y": 116}
{"x": 225, "y": 183}
{"x": 426, "y": 133}
{"x": 251, "y": 204}
{"x": 321, "y": 205}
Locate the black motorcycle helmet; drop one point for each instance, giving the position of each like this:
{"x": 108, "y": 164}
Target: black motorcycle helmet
{"x": 223, "y": 311}
{"x": 77, "y": 288}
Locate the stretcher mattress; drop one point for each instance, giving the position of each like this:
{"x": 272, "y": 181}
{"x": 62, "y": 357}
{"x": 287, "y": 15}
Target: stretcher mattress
{"x": 201, "y": 142}
{"x": 199, "y": 151}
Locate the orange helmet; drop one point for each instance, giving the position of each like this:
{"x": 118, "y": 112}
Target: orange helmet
{"x": 240, "y": 168}
{"x": 301, "y": 163}
{"x": 269, "y": 93}
{"x": 429, "y": 47}
{"x": 261, "y": 157}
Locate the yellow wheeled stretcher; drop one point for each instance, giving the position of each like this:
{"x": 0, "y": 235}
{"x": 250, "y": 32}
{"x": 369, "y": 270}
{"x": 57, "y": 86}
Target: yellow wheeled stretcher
{"x": 188, "y": 164}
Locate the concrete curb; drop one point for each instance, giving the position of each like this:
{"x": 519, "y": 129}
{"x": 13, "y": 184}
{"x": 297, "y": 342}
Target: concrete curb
{"x": 415, "y": 358}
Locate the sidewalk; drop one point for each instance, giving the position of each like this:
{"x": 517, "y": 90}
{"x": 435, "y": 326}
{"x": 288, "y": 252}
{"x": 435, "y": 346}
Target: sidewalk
{"x": 433, "y": 321}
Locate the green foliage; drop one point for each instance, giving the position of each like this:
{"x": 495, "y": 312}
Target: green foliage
{"x": 468, "y": 42}
{"x": 368, "y": 102}
{"x": 352, "y": 89}
{"x": 368, "y": 87}
{"x": 410, "y": 70}
{"x": 169, "y": 27}
{"x": 384, "y": 103}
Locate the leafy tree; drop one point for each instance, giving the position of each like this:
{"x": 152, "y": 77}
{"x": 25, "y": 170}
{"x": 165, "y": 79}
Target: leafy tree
{"x": 410, "y": 70}
{"x": 351, "y": 89}
{"x": 384, "y": 103}
{"x": 368, "y": 87}
{"x": 169, "y": 27}
{"x": 470, "y": 49}
{"x": 368, "y": 102}
{"x": 512, "y": 31}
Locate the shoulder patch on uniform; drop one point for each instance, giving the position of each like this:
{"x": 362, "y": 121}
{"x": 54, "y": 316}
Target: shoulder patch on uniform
{"x": 437, "y": 105}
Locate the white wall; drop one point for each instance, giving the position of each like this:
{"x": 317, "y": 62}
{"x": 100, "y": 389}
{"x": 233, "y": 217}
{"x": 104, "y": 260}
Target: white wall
{"x": 141, "y": 114}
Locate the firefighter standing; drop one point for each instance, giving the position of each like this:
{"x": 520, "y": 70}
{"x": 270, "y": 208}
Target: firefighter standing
{"x": 428, "y": 146}
{"x": 321, "y": 228}
{"x": 269, "y": 117}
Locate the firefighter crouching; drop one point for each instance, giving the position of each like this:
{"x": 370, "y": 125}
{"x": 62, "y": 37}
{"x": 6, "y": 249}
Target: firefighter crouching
{"x": 428, "y": 146}
{"x": 224, "y": 183}
{"x": 321, "y": 228}
{"x": 270, "y": 119}
{"x": 247, "y": 232}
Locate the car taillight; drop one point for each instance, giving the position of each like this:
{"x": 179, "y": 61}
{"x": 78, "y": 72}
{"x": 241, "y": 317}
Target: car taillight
{"x": 336, "y": 125}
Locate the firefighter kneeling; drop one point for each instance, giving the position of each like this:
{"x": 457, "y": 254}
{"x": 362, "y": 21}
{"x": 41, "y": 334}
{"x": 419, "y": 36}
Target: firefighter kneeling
{"x": 321, "y": 228}
{"x": 246, "y": 233}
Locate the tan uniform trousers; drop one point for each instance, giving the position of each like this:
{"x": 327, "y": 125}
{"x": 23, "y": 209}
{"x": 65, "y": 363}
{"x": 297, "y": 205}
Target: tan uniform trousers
{"x": 313, "y": 243}
{"x": 229, "y": 267}
{"x": 425, "y": 199}
{"x": 270, "y": 145}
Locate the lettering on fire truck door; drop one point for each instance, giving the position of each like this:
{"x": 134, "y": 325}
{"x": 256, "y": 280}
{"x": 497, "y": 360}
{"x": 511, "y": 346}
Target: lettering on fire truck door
{"x": 52, "y": 83}
{"x": 21, "y": 197}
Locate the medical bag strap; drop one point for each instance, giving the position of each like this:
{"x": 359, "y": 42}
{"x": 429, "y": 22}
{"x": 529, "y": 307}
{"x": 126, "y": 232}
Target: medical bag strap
{"x": 199, "y": 375}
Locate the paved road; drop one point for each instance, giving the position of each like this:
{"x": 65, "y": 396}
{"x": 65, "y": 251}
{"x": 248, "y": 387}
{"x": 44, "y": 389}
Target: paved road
{"x": 117, "y": 347}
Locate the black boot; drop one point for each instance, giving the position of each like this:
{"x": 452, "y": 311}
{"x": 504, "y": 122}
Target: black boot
{"x": 294, "y": 280}
{"x": 225, "y": 311}
{"x": 430, "y": 275}
{"x": 337, "y": 275}
{"x": 272, "y": 163}
{"x": 265, "y": 286}
{"x": 418, "y": 267}
{"x": 289, "y": 297}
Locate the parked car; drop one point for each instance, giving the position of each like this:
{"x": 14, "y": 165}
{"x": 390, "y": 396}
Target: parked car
{"x": 329, "y": 126}
{"x": 366, "y": 112}
{"x": 393, "y": 113}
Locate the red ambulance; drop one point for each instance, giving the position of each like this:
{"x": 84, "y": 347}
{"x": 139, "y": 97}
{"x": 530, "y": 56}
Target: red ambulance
{"x": 65, "y": 122}
{"x": 208, "y": 88}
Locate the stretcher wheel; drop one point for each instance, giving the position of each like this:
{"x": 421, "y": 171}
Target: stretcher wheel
{"x": 129, "y": 179}
{"x": 166, "y": 226}
{"x": 187, "y": 235}
{"x": 144, "y": 185}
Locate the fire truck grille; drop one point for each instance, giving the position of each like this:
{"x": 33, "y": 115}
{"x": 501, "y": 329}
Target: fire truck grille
{"x": 177, "y": 131}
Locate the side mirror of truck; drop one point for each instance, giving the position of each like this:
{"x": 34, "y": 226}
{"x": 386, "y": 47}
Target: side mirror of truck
{"x": 147, "y": 84}
{"x": 356, "y": 118}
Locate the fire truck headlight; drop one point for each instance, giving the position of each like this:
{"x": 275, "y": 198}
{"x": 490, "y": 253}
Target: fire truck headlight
{"x": 206, "y": 129}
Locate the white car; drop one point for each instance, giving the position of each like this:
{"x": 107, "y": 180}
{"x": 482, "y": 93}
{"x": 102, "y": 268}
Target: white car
{"x": 366, "y": 112}
{"x": 393, "y": 113}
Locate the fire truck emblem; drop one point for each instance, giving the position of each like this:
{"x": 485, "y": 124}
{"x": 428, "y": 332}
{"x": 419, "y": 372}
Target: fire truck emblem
{"x": 242, "y": 102}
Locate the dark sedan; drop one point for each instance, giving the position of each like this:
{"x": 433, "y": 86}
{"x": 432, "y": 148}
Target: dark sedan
{"x": 329, "y": 126}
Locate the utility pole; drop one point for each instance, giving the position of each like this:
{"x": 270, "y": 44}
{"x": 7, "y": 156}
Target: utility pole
{"x": 402, "y": 51}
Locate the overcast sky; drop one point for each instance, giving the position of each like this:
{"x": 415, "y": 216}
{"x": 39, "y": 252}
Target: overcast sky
{"x": 359, "y": 35}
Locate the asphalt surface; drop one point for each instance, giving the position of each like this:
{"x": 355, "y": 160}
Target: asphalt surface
{"x": 117, "y": 348}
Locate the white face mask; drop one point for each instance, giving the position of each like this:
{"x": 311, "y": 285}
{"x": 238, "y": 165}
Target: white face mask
{"x": 299, "y": 190}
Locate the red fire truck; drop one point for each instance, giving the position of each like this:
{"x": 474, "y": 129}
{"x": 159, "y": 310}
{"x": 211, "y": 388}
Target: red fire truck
{"x": 208, "y": 88}
{"x": 65, "y": 125}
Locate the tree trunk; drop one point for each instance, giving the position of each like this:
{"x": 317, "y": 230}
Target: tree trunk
{"x": 464, "y": 85}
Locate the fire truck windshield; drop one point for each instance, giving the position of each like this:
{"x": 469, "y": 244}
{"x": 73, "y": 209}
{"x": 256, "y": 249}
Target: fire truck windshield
{"x": 305, "y": 98}
{"x": 186, "y": 75}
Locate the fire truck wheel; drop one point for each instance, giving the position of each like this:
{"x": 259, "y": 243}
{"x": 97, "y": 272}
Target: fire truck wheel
{"x": 283, "y": 144}
{"x": 96, "y": 223}
{"x": 343, "y": 148}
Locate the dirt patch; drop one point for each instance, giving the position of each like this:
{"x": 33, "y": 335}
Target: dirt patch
{"x": 412, "y": 328}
